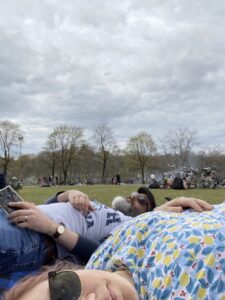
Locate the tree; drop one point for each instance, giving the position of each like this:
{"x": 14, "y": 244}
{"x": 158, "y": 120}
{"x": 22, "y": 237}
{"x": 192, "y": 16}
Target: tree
{"x": 214, "y": 157}
{"x": 65, "y": 140}
{"x": 179, "y": 143}
{"x": 87, "y": 165}
{"x": 10, "y": 134}
{"x": 105, "y": 144}
{"x": 52, "y": 154}
{"x": 140, "y": 148}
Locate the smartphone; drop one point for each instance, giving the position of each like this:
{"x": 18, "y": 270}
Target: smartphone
{"x": 8, "y": 194}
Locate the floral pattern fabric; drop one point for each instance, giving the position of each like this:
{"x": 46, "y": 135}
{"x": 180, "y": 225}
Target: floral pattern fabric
{"x": 170, "y": 256}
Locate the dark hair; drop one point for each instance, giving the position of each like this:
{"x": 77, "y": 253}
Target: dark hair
{"x": 151, "y": 200}
{"x": 30, "y": 281}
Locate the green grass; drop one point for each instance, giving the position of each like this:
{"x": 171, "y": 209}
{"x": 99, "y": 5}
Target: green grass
{"x": 105, "y": 193}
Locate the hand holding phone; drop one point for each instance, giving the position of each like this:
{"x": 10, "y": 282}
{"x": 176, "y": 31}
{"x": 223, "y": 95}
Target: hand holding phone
{"x": 8, "y": 194}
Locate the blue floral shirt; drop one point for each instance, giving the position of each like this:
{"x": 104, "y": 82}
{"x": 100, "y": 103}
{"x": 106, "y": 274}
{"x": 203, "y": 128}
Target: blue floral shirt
{"x": 170, "y": 255}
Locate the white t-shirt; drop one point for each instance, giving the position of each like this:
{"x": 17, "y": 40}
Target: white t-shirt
{"x": 95, "y": 225}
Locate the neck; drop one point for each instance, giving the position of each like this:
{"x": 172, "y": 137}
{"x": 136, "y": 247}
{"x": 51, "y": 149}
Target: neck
{"x": 125, "y": 274}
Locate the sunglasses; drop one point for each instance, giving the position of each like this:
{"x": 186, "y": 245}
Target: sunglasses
{"x": 64, "y": 285}
{"x": 142, "y": 200}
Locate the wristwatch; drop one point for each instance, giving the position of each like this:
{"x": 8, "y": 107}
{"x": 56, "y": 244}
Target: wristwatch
{"x": 59, "y": 230}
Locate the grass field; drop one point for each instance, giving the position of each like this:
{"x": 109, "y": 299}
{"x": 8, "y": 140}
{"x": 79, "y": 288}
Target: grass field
{"x": 105, "y": 193}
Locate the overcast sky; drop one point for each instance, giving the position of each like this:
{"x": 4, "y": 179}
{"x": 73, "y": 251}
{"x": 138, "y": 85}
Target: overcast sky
{"x": 152, "y": 65}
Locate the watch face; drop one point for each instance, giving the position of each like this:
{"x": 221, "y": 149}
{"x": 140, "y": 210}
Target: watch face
{"x": 61, "y": 229}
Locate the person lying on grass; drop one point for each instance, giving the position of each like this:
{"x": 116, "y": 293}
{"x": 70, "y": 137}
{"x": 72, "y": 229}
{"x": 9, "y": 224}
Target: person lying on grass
{"x": 156, "y": 255}
{"x": 33, "y": 236}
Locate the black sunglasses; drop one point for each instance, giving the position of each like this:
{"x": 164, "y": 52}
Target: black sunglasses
{"x": 64, "y": 285}
{"x": 142, "y": 200}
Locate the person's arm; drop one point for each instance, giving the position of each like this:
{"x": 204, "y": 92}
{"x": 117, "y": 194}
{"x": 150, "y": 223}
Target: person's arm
{"x": 53, "y": 199}
{"x": 84, "y": 248}
{"x": 30, "y": 216}
{"x": 76, "y": 198}
{"x": 179, "y": 204}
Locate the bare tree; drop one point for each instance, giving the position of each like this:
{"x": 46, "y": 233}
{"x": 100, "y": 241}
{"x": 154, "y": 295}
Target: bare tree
{"x": 52, "y": 153}
{"x": 179, "y": 143}
{"x": 105, "y": 143}
{"x": 214, "y": 157}
{"x": 10, "y": 134}
{"x": 65, "y": 140}
{"x": 87, "y": 166}
{"x": 140, "y": 148}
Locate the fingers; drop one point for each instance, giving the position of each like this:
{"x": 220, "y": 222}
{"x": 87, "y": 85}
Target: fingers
{"x": 178, "y": 205}
{"x": 22, "y": 222}
{"x": 19, "y": 216}
{"x": 176, "y": 209}
{"x": 199, "y": 205}
{"x": 194, "y": 203}
{"x": 80, "y": 201}
{"x": 167, "y": 208}
{"x": 32, "y": 218}
{"x": 21, "y": 205}
{"x": 204, "y": 205}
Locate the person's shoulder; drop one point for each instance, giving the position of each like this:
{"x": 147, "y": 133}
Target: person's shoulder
{"x": 98, "y": 205}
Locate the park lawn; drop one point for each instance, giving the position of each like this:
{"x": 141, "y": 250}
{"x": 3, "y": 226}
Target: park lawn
{"x": 105, "y": 193}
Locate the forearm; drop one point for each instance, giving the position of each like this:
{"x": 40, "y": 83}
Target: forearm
{"x": 67, "y": 240}
{"x": 55, "y": 198}
{"x": 63, "y": 196}
{"x": 84, "y": 248}
{"x": 74, "y": 243}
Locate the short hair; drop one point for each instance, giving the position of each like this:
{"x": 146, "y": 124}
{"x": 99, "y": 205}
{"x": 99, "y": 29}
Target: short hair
{"x": 120, "y": 203}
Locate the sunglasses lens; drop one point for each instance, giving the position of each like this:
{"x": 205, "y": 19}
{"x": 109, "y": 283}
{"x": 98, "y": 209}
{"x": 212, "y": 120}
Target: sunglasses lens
{"x": 64, "y": 285}
{"x": 142, "y": 200}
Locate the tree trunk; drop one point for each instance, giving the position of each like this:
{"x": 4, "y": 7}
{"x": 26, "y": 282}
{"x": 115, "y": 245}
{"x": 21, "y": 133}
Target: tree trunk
{"x": 143, "y": 176}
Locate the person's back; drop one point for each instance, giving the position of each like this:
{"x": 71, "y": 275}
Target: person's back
{"x": 154, "y": 185}
{"x": 118, "y": 179}
{"x": 170, "y": 256}
{"x": 178, "y": 184}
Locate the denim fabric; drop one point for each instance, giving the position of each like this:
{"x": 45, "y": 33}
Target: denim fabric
{"x": 20, "y": 249}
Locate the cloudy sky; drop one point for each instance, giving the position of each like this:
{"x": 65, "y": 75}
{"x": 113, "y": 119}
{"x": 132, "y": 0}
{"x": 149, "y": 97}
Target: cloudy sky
{"x": 152, "y": 65}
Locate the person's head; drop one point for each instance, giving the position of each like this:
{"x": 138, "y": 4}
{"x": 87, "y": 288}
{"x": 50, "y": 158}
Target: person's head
{"x": 137, "y": 203}
{"x": 72, "y": 284}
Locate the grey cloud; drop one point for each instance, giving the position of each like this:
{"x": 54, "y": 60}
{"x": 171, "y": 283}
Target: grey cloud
{"x": 137, "y": 65}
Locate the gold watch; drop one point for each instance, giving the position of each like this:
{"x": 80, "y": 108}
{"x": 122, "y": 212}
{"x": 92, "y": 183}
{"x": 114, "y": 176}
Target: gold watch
{"x": 59, "y": 230}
